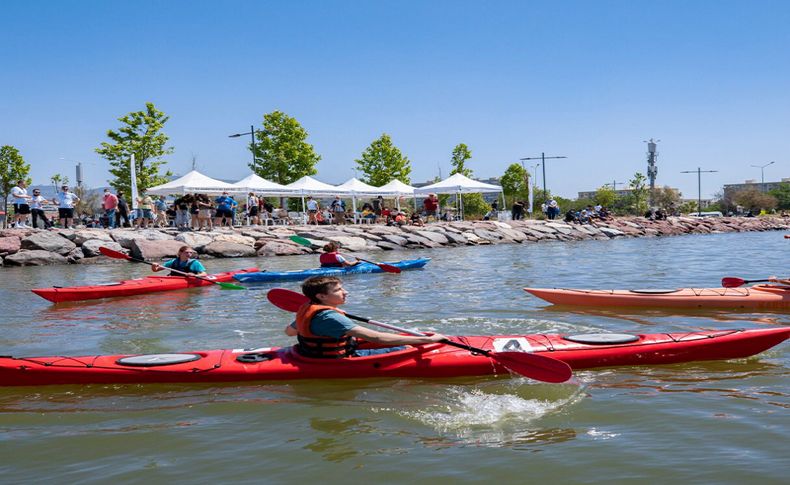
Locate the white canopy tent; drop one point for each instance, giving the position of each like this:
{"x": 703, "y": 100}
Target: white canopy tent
{"x": 307, "y": 185}
{"x": 261, "y": 186}
{"x": 192, "y": 183}
{"x": 460, "y": 184}
{"x": 355, "y": 187}
{"x": 396, "y": 188}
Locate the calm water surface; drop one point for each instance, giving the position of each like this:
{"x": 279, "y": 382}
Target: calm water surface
{"x": 721, "y": 422}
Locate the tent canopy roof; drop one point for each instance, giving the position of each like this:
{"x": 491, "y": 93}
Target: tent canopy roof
{"x": 458, "y": 183}
{"x": 192, "y": 183}
{"x": 308, "y": 185}
{"x": 259, "y": 185}
{"x": 396, "y": 187}
{"x": 355, "y": 186}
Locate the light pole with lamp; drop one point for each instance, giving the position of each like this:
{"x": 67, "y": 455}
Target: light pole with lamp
{"x": 699, "y": 173}
{"x": 252, "y": 136}
{"x": 762, "y": 173}
{"x": 543, "y": 159}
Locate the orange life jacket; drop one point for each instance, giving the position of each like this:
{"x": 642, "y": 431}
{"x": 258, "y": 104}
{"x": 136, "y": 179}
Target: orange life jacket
{"x": 329, "y": 260}
{"x": 312, "y": 345}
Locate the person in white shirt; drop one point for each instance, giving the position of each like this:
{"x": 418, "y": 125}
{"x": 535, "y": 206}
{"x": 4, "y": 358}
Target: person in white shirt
{"x": 37, "y": 209}
{"x": 21, "y": 207}
{"x": 66, "y": 201}
{"x": 252, "y": 209}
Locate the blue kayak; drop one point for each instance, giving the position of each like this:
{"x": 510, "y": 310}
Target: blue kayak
{"x": 306, "y": 273}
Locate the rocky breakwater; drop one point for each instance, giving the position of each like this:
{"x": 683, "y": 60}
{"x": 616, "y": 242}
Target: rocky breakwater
{"x": 26, "y": 247}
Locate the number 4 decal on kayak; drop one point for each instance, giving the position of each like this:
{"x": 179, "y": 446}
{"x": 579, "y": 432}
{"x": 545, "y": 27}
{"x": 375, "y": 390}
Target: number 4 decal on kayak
{"x": 518, "y": 344}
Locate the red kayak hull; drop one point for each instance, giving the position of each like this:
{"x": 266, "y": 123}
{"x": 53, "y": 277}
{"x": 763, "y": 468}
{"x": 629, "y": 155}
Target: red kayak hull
{"x": 138, "y": 286}
{"x": 758, "y": 296}
{"x": 428, "y": 361}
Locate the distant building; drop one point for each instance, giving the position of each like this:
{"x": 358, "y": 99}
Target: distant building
{"x": 730, "y": 189}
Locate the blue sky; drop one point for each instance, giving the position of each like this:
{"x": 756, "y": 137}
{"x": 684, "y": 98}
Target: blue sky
{"x": 590, "y": 80}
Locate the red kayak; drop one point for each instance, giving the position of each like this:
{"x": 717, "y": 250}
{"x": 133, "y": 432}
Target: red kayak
{"x": 137, "y": 286}
{"x": 433, "y": 360}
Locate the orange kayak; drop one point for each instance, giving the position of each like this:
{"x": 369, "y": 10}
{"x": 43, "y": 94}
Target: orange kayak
{"x": 759, "y": 296}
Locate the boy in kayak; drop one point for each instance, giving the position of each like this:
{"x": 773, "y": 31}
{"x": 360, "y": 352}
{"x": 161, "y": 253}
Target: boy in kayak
{"x": 323, "y": 330}
{"x": 330, "y": 258}
{"x": 182, "y": 262}
{"x": 774, "y": 279}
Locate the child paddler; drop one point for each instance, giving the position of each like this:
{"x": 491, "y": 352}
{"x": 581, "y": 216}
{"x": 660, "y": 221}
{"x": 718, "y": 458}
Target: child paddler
{"x": 183, "y": 262}
{"x": 323, "y": 330}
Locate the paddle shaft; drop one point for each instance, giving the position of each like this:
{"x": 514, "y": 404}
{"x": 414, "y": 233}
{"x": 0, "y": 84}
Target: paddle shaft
{"x": 119, "y": 255}
{"x": 417, "y": 334}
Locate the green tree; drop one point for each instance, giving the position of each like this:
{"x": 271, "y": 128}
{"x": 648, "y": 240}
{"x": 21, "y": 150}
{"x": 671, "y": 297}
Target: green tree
{"x": 12, "y": 169}
{"x": 782, "y": 196}
{"x": 666, "y": 197}
{"x": 754, "y": 200}
{"x": 639, "y": 192}
{"x": 282, "y": 153}
{"x": 140, "y": 135}
{"x": 515, "y": 183}
{"x": 460, "y": 155}
{"x": 605, "y": 196}
{"x": 382, "y": 162}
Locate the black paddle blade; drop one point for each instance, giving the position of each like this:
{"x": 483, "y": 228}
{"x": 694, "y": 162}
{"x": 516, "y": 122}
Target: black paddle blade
{"x": 534, "y": 366}
{"x": 287, "y": 300}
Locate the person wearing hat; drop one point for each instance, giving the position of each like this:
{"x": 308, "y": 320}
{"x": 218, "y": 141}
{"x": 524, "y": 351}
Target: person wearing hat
{"x": 65, "y": 201}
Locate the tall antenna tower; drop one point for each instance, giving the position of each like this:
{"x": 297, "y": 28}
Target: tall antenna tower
{"x": 652, "y": 169}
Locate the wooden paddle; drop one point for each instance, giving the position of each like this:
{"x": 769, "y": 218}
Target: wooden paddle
{"x": 111, "y": 253}
{"x": 387, "y": 268}
{"x": 534, "y": 366}
{"x": 732, "y": 282}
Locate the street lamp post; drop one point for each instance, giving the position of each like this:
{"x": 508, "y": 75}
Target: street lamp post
{"x": 252, "y": 136}
{"x": 762, "y": 173}
{"x": 542, "y": 159}
{"x": 699, "y": 173}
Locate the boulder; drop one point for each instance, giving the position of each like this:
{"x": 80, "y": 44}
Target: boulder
{"x": 9, "y": 245}
{"x": 563, "y": 228}
{"x": 235, "y": 238}
{"x": 436, "y": 237}
{"x": 349, "y": 243}
{"x": 91, "y": 247}
{"x": 34, "y": 257}
{"x": 388, "y": 245}
{"x": 611, "y": 232}
{"x": 154, "y": 250}
{"x": 273, "y": 247}
{"x": 194, "y": 240}
{"x": 456, "y": 238}
{"x": 75, "y": 255}
{"x": 125, "y": 237}
{"x": 486, "y": 234}
{"x": 394, "y": 239}
{"x": 475, "y": 239}
{"x": 48, "y": 241}
{"x": 79, "y": 237}
{"x": 226, "y": 249}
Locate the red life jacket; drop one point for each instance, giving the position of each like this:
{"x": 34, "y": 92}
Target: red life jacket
{"x": 317, "y": 346}
{"x": 329, "y": 260}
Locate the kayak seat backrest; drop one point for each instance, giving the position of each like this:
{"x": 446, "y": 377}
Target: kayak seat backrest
{"x": 602, "y": 338}
{"x": 154, "y": 360}
{"x": 654, "y": 292}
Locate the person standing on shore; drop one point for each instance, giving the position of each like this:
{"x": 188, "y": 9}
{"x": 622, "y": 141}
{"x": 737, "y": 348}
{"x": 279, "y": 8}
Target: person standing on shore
{"x": 517, "y": 210}
{"x": 338, "y": 209}
{"x": 312, "y": 210}
{"x": 66, "y": 200}
{"x": 37, "y": 209}
{"x": 110, "y": 204}
{"x": 225, "y": 205}
{"x": 122, "y": 211}
{"x": 21, "y": 206}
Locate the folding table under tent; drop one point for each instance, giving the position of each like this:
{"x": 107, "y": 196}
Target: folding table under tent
{"x": 193, "y": 182}
{"x": 460, "y": 184}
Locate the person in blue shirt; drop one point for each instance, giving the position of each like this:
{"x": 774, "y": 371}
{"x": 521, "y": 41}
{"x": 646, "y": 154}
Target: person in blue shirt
{"x": 225, "y": 206}
{"x": 324, "y": 331}
{"x": 183, "y": 262}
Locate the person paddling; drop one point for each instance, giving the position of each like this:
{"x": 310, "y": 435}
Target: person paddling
{"x": 323, "y": 330}
{"x": 330, "y": 258}
{"x": 779, "y": 281}
{"x": 183, "y": 262}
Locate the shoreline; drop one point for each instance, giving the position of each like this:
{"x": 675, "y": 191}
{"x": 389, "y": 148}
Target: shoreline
{"x": 37, "y": 247}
